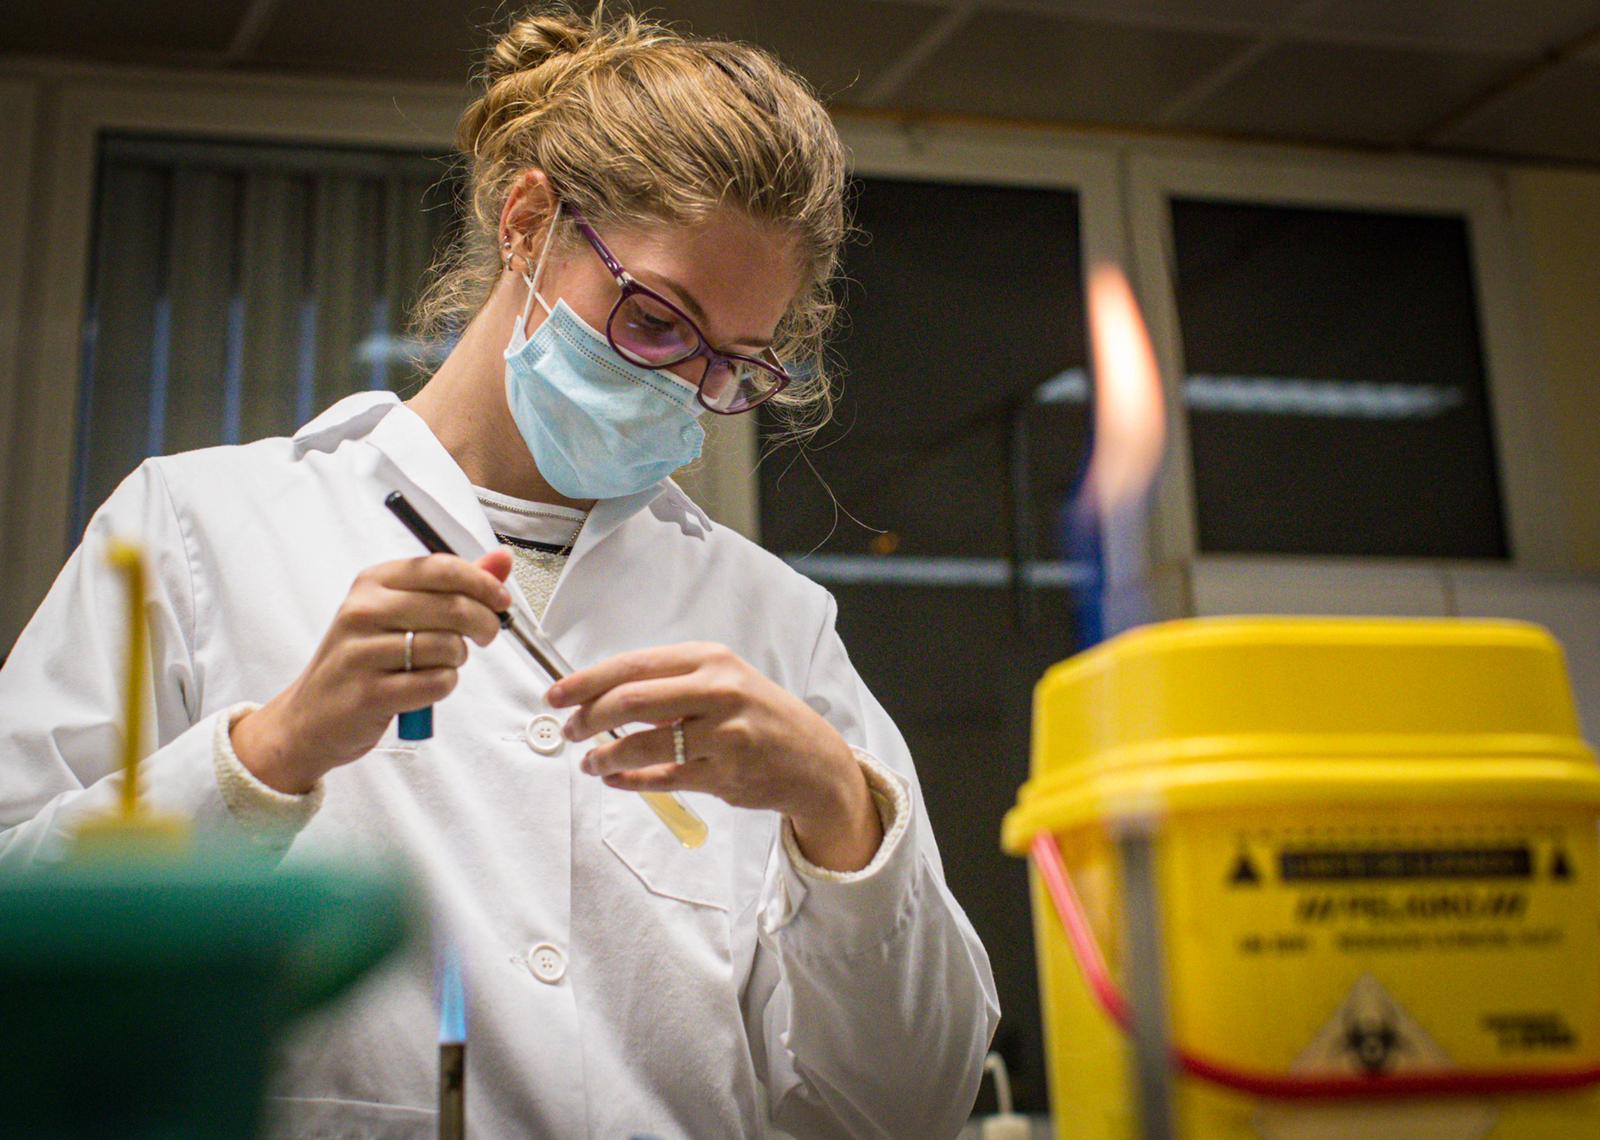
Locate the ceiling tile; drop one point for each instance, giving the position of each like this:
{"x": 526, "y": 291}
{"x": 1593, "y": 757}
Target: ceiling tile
{"x": 114, "y": 29}
{"x": 1257, "y": 15}
{"x": 1527, "y": 26}
{"x": 440, "y": 41}
{"x": 1028, "y": 66}
{"x": 1111, "y": 61}
{"x": 841, "y": 46}
{"x": 443, "y": 40}
{"x": 1554, "y": 116}
{"x": 1317, "y": 92}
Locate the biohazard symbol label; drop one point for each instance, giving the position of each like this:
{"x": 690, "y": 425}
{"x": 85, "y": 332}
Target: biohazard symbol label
{"x": 1370, "y": 1033}
{"x": 1560, "y": 869}
{"x": 1244, "y": 873}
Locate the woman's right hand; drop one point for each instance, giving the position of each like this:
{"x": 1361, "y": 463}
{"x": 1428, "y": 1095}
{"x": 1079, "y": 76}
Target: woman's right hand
{"x": 338, "y": 708}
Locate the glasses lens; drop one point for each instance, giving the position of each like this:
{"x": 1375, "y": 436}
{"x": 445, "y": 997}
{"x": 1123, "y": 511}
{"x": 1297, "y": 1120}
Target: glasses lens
{"x": 736, "y": 385}
{"x": 650, "y": 333}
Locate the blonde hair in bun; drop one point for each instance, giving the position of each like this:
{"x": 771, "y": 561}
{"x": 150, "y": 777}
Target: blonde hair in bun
{"x": 636, "y": 123}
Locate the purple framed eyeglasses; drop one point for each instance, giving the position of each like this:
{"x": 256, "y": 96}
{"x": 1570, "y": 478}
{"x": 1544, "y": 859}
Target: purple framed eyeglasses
{"x": 647, "y": 329}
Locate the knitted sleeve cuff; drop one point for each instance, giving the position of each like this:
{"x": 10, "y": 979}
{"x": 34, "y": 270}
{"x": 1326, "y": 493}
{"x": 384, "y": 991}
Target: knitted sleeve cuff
{"x": 264, "y": 812}
{"x": 894, "y": 812}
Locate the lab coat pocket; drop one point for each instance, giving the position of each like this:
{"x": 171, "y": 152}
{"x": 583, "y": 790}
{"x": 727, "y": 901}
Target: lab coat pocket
{"x": 669, "y": 920}
{"x": 664, "y": 867}
{"x": 669, "y": 973}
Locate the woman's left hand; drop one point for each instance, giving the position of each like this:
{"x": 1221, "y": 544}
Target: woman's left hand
{"x": 746, "y": 740}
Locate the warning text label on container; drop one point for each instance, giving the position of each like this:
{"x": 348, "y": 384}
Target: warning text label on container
{"x": 1340, "y": 864}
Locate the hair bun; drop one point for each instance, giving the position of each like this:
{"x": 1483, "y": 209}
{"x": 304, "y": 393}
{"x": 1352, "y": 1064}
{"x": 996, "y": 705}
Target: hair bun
{"x": 534, "y": 39}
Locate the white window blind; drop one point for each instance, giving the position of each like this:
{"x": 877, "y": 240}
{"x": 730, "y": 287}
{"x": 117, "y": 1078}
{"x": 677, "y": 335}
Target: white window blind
{"x": 238, "y": 289}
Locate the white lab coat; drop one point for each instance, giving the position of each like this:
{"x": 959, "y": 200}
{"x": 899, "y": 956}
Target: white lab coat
{"x": 700, "y": 993}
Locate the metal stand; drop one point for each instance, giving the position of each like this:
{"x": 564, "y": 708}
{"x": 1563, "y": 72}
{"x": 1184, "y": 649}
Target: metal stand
{"x": 1146, "y": 986}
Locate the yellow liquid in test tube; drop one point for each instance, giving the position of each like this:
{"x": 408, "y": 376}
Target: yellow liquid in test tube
{"x": 680, "y": 819}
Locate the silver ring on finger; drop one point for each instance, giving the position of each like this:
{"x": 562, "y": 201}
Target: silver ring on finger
{"x": 411, "y": 639}
{"x": 680, "y": 754}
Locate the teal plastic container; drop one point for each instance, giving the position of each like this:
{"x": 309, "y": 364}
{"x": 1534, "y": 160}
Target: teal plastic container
{"x": 142, "y": 997}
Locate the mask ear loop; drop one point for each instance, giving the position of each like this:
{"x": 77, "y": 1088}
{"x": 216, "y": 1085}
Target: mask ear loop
{"x": 538, "y": 267}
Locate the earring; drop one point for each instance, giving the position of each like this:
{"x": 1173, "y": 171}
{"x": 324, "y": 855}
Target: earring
{"x": 505, "y": 246}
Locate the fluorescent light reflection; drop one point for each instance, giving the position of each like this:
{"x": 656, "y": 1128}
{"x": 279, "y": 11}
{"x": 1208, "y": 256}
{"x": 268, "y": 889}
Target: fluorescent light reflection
{"x": 876, "y": 570}
{"x": 1341, "y": 399}
{"x": 1283, "y": 396}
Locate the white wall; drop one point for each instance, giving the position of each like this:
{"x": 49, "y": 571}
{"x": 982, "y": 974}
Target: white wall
{"x": 1560, "y": 214}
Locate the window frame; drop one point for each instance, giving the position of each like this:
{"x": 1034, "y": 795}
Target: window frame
{"x": 964, "y": 153}
{"x": 1513, "y": 374}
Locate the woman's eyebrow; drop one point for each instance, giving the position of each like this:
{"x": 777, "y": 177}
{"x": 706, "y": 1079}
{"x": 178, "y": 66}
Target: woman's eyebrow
{"x": 688, "y": 301}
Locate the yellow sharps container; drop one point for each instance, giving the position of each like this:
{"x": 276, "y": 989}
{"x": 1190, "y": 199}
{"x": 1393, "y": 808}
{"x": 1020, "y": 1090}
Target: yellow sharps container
{"x": 1374, "y": 867}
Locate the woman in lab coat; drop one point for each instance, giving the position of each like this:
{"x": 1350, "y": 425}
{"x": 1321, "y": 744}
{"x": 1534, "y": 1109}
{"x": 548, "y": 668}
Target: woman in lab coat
{"x": 657, "y": 219}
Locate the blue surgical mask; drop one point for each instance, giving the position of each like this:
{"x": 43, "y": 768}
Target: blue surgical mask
{"x": 598, "y": 426}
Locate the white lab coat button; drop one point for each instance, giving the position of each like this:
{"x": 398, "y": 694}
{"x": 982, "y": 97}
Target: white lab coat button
{"x": 548, "y": 963}
{"x": 544, "y": 735}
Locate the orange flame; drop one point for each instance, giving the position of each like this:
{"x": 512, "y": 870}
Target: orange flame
{"x": 1130, "y": 423}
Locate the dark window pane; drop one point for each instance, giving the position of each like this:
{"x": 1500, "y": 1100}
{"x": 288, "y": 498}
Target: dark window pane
{"x": 962, "y": 301}
{"x": 1336, "y": 393}
{"x": 961, "y": 431}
